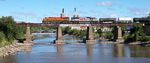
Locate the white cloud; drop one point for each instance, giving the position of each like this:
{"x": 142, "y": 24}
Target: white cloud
{"x": 104, "y": 3}
{"x": 138, "y": 11}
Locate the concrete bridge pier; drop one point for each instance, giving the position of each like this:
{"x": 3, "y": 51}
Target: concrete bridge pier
{"x": 119, "y": 35}
{"x": 89, "y": 36}
{"x": 28, "y": 37}
{"x": 59, "y": 36}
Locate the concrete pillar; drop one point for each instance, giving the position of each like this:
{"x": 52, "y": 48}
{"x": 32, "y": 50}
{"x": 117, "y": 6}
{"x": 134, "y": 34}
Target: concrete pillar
{"x": 89, "y": 36}
{"x": 28, "y": 36}
{"x": 119, "y": 35}
{"x": 59, "y": 36}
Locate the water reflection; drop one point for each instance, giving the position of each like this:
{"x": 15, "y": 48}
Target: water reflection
{"x": 59, "y": 49}
{"x": 119, "y": 50}
{"x": 27, "y": 49}
{"x": 9, "y": 59}
{"x": 89, "y": 50}
{"x": 139, "y": 51}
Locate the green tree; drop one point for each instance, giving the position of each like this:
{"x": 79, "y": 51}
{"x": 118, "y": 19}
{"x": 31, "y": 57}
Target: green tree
{"x": 99, "y": 32}
{"x": 9, "y": 31}
{"x": 66, "y": 30}
{"x": 114, "y": 32}
{"x": 137, "y": 34}
{"x": 8, "y": 27}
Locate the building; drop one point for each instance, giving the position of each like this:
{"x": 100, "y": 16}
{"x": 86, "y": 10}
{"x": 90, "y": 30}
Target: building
{"x": 106, "y": 29}
{"x": 75, "y": 26}
{"x": 56, "y": 19}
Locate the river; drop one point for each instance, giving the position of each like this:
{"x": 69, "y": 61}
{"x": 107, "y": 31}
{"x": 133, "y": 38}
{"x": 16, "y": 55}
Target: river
{"x": 79, "y": 53}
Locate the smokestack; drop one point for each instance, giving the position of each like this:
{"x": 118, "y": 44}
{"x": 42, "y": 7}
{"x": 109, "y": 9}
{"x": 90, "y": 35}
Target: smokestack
{"x": 75, "y": 13}
{"x": 63, "y": 10}
{"x": 75, "y": 9}
{"x": 62, "y": 14}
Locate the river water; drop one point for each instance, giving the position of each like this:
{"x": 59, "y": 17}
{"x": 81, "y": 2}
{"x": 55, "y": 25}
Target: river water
{"x": 79, "y": 53}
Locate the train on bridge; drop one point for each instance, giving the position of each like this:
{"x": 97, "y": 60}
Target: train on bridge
{"x": 100, "y": 21}
{"x": 76, "y": 19}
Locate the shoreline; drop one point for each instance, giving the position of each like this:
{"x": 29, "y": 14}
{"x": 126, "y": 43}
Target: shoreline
{"x": 11, "y": 49}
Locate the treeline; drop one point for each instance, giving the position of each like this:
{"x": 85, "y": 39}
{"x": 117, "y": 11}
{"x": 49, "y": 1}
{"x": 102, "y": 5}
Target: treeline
{"x": 78, "y": 33}
{"x": 137, "y": 33}
{"x": 134, "y": 34}
{"x": 9, "y": 31}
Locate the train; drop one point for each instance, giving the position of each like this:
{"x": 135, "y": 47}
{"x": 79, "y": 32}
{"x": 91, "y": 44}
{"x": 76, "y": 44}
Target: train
{"x": 101, "y": 20}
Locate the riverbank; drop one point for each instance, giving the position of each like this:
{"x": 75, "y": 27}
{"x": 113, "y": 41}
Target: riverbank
{"x": 5, "y": 43}
{"x": 11, "y": 49}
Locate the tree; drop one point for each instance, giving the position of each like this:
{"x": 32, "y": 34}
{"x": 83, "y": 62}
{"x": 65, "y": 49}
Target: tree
{"x": 9, "y": 30}
{"x": 114, "y": 32}
{"x": 8, "y": 27}
{"x": 99, "y": 32}
{"x": 136, "y": 34}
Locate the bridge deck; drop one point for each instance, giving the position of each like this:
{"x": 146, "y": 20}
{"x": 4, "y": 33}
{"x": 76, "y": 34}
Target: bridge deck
{"x": 81, "y": 24}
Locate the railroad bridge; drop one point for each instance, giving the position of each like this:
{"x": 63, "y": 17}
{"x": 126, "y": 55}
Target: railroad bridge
{"x": 89, "y": 36}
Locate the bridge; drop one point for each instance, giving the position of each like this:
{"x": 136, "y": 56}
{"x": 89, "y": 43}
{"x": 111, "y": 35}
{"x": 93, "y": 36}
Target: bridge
{"x": 89, "y": 36}
{"x": 81, "y": 24}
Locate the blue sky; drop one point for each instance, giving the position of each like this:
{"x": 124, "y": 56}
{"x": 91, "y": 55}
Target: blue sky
{"x": 36, "y": 10}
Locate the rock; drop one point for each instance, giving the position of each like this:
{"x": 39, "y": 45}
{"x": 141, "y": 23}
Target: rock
{"x": 10, "y": 49}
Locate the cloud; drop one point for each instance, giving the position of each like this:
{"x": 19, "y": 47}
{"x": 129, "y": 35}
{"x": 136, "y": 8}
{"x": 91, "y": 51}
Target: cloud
{"x": 138, "y": 11}
{"x": 104, "y": 3}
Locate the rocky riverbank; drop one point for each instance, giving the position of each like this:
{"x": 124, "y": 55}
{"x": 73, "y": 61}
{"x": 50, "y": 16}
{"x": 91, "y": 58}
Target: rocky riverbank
{"x": 11, "y": 49}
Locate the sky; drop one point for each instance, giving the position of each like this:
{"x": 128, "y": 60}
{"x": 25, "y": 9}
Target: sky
{"x": 35, "y": 10}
